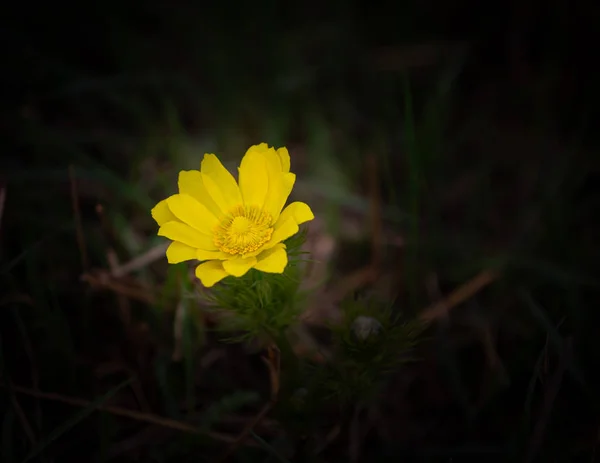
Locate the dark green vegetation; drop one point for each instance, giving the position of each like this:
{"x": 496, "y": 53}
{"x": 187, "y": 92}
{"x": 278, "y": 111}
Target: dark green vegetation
{"x": 434, "y": 143}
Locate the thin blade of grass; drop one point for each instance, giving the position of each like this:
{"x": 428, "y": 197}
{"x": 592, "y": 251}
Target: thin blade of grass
{"x": 554, "y": 336}
{"x": 522, "y": 430}
{"x": 79, "y": 416}
{"x": 537, "y": 371}
{"x": 265, "y": 445}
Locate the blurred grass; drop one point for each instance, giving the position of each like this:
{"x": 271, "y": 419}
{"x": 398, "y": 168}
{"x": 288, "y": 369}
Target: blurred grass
{"x": 463, "y": 188}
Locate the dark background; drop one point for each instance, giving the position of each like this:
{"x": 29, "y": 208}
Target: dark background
{"x": 481, "y": 121}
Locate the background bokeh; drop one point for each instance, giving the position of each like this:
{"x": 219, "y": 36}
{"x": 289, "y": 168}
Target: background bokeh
{"x": 440, "y": 144}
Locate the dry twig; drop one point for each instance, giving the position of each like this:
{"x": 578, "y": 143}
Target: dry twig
{"x": 141, "y": 261}
{"x": 104, "y": 281}
{"x": 459, "y": 295}
{"x": 22, "y": 417}
{"x": 131, "y": 414}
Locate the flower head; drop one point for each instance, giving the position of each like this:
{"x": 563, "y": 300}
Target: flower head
{"x": 233, "y": 226}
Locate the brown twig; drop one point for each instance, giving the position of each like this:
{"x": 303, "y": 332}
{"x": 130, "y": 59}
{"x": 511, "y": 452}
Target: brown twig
{"x": 459, "y": 295}
{"x": 131, "y": 414}
{"x": 433, "y": 288}
{"x": 78, "y": 225}
{"x": 106, "y": 282}
{"x": 273, "y": 363}
{"x": 18, "y": 298}
{"x": 141, "y": 261}
{"x": 21, "y": 415}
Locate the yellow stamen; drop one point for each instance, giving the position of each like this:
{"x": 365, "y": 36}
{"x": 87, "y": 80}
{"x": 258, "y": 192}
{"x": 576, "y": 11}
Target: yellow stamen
{"x": 243, "y": 230}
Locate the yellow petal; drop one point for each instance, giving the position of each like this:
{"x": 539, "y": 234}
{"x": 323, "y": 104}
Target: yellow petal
{"x": 178, "y": 231}
{"x": 280, "y": 187}
{"x": 161, "y": 213}
{"x": 210, "y": 272}
{"x": 190, "y": 183}
{"x": 220, "y": 184}
{"x": 239, "y": 266}
{"x": 178, "y": 252}
{"x": 273, "y": 260}
{"x": 260, "y": 148}
{"x": 254, "y": 178}
{"x": 201, "y": 254}
{"x": 298, "y": 211}
{"x": 193, "y": 213}
{"x": 283, "y": 231}
{"x": 284, "y": 157}
{"x": 289, "y": 180}
{"x": 273, "y": 159}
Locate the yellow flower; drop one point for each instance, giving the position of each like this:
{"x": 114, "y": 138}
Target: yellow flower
{"x": 233, "y": 227}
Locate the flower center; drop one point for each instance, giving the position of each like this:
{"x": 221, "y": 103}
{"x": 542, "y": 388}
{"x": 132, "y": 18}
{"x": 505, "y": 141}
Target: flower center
{"x": 243, "y": 230}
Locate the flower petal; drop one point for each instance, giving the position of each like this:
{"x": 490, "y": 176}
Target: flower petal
{"x": 239, "y": 266}
{"x": 190, "y": 183}
{"x": 260, "y": 148}
{"x": 272, "y": 159}
{"x": 283, "y": 231}
{"x": 284, "y": 157}
{"x": 220, "y": 184}
{"x": 178, "y": 252}
{"x": 210, "y": 272}
{"x": 161, "y": 213}
{"x": 280, "y": 187}
{"x": 193, "y": 213}
{"x": 298, "y": 211}
{"x": 254, "y": 178}
{"x": 273, "y": 260}
{"x": 201, "y": 254}
{"x": 178, "y": 231}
